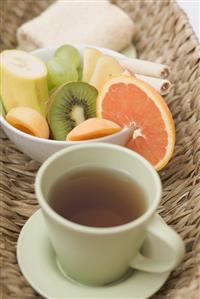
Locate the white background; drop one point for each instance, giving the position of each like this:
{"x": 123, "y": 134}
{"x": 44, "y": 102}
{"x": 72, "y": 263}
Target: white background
{"x": 192, "y": 8}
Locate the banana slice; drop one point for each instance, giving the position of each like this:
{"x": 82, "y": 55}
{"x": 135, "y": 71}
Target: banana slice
{"x": 23, "y": 81}
{"x": 29, "y": 121}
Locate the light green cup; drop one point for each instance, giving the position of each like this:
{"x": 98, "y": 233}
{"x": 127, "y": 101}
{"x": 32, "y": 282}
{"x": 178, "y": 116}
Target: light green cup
{"x": 97, "y": 256}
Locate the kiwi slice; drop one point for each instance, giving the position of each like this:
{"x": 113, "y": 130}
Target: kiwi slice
{"x": 70, "y": 105}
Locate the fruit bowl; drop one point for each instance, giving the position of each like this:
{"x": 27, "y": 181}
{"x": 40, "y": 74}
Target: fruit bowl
{"x": 40, "y": 149}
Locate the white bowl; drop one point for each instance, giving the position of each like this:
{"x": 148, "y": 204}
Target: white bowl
{"x": 40, "y": 149}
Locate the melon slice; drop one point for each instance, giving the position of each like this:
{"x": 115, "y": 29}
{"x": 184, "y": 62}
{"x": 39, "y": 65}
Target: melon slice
{"x": 29, "y": 121}
{"x": 93, "y": 128}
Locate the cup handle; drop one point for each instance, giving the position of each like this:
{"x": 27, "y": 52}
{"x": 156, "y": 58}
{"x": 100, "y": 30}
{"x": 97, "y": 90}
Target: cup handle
{"x": 162, "y": 231}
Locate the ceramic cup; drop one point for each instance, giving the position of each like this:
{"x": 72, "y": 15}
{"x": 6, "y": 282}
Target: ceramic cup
{"x": 97, "y": 256}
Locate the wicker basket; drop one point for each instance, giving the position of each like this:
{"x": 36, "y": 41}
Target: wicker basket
{"x": 165, "y": 35}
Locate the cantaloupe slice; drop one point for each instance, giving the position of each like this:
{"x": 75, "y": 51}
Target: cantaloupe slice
{"x": 29, "y": 121}
{"x": 93, "y": 128}
{"x": 105, "y": 69}
{"x": 90, "y": 58}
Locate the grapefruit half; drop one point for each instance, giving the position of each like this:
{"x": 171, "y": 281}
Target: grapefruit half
{"x": 129, "y": 101}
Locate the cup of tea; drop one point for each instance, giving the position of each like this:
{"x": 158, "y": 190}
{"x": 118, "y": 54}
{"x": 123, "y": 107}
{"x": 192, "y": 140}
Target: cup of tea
{"x": 99, "y": 202}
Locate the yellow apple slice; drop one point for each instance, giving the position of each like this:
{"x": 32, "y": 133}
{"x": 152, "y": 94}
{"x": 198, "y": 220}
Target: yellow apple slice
{"x": 90, "y": 58}
{"x": 28, "y": 121}
{"x": 105, "y": 69}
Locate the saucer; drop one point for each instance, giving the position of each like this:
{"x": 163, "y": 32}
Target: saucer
{"x": 37, "y": 262}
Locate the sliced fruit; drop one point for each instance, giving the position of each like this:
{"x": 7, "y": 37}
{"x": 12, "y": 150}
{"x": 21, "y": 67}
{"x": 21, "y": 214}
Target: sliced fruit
{"x": 90, "y": 58}
{"x": 127, "y": 72}
{"x": 59, "y": 73}
{"x": 127, "y": 100}
{"x": 93, "y": 128}
{"x": 130, "y": 51}
{"x": 80, "y": 72}
{"x": 23, "y": 81}
{"x": 2, "y": 109}
{"x": 106, "y": 68}
{"x": 68, "y": 54}
{"x": 70, "y": 105}
{"x": 28, "y": 121}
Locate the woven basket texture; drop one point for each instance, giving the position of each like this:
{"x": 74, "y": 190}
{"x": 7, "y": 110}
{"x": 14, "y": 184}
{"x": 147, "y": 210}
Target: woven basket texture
{"x": 164, "y": 35}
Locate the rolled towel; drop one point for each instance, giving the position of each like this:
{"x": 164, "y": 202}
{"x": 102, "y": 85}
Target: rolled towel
{"x": 98, "y": 23}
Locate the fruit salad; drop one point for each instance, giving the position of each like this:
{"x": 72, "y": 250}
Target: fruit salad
{"x": 72, "y": 98}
